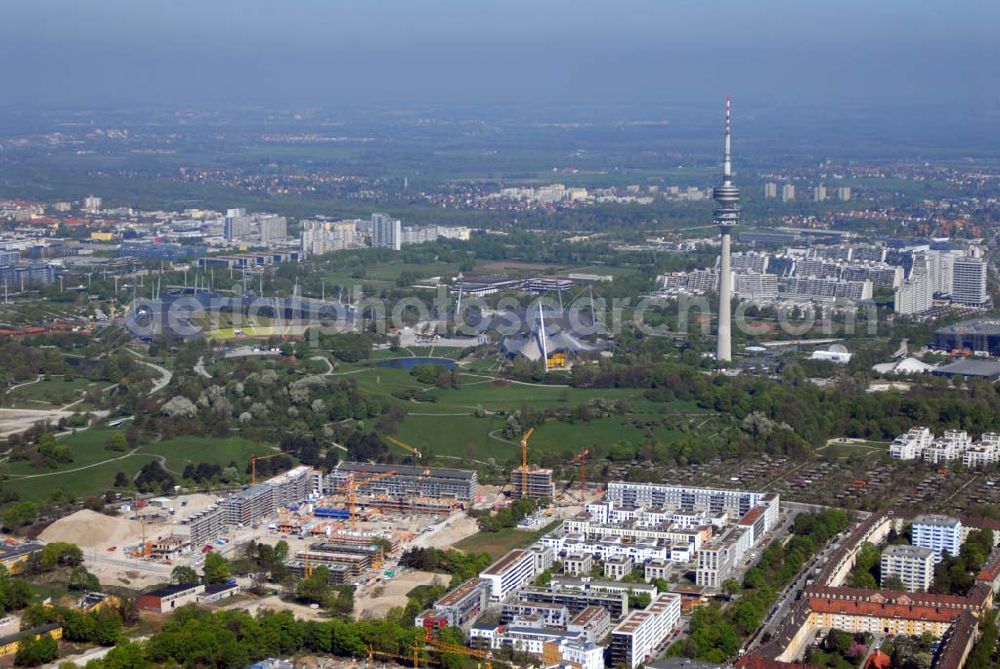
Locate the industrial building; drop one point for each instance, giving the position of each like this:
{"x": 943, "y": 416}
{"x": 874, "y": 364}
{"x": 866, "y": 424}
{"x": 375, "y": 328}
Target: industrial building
{"x": 976, "y": 336}
{"x": 170, "y": 597}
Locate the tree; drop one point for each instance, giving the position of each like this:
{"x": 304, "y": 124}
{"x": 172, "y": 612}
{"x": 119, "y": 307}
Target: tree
{"x": 731, "y": 587}
{"x": 33, "y": 652}
{"x": 216, "y": 569}
{"x": 18, "y": 514}
{"x": 83, "y": 581}
{"x": 121, "y": 480}
{"x": 314, "y": 588}
{"x": 184, "y": 575}
{"x": 118, "y": 443}
{"x": 126, "y": 655}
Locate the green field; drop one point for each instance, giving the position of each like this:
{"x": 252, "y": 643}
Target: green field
{"x": 94, "y": 467}
{"x": 449, "y": 428}
{"x": 49, "y": 392}
{"x": 498, "y": 543}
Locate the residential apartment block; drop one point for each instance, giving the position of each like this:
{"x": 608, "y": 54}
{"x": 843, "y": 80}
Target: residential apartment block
{"x": 913, "y": 565}
{"x": 941, "y": 534}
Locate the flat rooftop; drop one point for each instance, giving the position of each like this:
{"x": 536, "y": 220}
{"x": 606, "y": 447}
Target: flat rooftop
{"x": 407, "y": 470}
{"x": 504, "y": 563}
{"x": 936, "y": 519}
{"x": 978, "y": 326}
{"x": 907, "y": 551}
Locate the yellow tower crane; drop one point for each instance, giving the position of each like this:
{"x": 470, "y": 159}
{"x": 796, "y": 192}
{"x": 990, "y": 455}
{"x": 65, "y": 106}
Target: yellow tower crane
{"x": 352, "y": 491}
{"x": 405, "y": 446}
{"x": 414, "y": 659}
{"x": 524, "y": 461}
{"x": 253, "y": 464}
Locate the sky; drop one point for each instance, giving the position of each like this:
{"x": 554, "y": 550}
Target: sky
{"x": 282, "y": 53}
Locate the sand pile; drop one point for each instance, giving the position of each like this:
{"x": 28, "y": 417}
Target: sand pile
{"x": 89, "y": 529}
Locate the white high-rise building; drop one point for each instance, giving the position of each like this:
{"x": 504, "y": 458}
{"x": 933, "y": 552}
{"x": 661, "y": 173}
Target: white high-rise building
{"x": 913, "y": 565}
{"x": 319, "y": 237}
{"x": 237, "y": 224}
{"x": 915, "y": 294}
{"x": 844, "y": 193}
{"x": 788, "y": 192}
{"x": 91, "y": 203}
{"x": 273, "y": 228}
{"x": 942, "y": 534}
{"x": 770, "y": 190}
{"x": 387, "y": 232}
{"x": 819, "y": 193}
{"x": 968, "y": 283}
{"x": 941, "y": 266}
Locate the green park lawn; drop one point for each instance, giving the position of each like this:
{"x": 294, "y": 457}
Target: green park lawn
{"x": 55, "y": 391}
{"x": 94, "y": 467}
{"x": 498, "y": 543}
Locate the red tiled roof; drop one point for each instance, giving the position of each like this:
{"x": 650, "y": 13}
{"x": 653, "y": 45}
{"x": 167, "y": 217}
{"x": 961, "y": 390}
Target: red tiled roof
{"x": 885, "y": 610}
{"x": 751, "y": 516}
{"x": 754, "y": 661}
{"x": 879, "y": 660}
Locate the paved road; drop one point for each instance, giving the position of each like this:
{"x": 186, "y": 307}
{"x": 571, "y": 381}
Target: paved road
{"x": 791, "y": 593}
{"x": 165, "y": 374}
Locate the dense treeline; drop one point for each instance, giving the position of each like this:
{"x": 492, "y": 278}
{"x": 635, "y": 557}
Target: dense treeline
{"x": 233, "y": 639}
{"x": 716, "y": 633}
{"x": 813, "y": 412}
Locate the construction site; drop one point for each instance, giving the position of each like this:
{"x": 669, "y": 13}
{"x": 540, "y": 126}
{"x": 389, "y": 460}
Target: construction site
{"x": 355, "y": 521}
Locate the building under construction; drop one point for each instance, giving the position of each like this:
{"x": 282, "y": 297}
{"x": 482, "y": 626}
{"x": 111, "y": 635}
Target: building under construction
{"x": 345, "y": 561}
{"x": 407, "y": 482}
{"x": 205, "y": 526}
{"x": 539, "y": 483}
{"x": 409, "y": 505}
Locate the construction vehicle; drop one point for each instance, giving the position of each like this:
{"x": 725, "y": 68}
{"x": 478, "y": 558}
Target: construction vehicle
{"x": 352, "y": 491}
{"x": 524, "y": 462}
{"x": 405, "y": 446}
{"x": 253, "y": 464}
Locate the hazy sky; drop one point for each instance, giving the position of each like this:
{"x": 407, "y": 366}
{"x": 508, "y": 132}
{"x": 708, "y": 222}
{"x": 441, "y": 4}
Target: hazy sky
{"x": 333, "y": 52}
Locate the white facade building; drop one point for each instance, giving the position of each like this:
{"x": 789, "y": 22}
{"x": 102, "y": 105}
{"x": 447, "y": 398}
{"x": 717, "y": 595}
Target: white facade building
{"x": 969, "y": 281}
{"x": 387, "y": 232}
{"x": 635, "y": 639}
{"x": 911, "y": 445}
{"x": 913, "y": 565}
{"x": 514, "y": 570}
{"x": 941, "y": 534}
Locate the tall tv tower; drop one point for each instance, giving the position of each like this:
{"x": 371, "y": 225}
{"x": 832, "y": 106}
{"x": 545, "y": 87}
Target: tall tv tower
{"x": 727, "y": 215}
